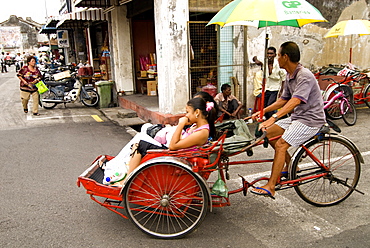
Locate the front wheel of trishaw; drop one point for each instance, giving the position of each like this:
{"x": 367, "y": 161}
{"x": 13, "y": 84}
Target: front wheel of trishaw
{"x": 166, "y": 200}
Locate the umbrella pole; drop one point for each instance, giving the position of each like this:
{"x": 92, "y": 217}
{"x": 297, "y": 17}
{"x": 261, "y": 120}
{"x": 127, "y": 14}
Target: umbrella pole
{"x": 350, "y": 51}
{"x": 262, "y": 103}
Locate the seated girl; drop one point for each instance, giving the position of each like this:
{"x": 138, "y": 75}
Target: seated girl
{"x": 201, "y": 117}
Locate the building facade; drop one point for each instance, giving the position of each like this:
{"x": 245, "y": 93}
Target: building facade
{"x": 20, "y": 35}
{"x": 172, "y": 37}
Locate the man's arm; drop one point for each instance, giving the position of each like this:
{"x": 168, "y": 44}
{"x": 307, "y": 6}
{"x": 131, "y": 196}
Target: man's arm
{"x": 286, "y": 109}
{"x": 276, "y": 105}
{"x": 289, "y": 107}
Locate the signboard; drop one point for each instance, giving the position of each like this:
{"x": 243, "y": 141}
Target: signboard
{"x": 10, "y": 37}
{"x": 62, "y": 37}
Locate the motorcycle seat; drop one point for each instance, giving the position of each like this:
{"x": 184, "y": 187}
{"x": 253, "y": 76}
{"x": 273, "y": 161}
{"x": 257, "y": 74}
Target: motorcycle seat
{"x": 56, "y": 83}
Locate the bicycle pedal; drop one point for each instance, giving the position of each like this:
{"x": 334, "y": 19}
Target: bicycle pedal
{"x": 244, "y": 185}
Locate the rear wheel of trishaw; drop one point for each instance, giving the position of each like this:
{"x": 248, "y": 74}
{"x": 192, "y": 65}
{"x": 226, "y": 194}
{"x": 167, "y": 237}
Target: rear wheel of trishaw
{"x": 339, "y": 180}
{"x": 166, "y": 200}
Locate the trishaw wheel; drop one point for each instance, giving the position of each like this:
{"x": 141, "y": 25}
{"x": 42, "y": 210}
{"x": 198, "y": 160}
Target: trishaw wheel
{"x": 331, "y": 185}
{"x": 166, "y": 200}
{"x": 367, "y": 95}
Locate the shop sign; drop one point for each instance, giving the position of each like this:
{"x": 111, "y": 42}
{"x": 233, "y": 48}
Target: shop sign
{"x": 62, "y": 37}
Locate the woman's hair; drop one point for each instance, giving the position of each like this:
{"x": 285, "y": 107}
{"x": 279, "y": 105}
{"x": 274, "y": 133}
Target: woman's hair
{"x": 201, "y": 104}
{"x": 208, "y": 98}
{"x": 205, "y": 95}
{"x": 29, "y": 58}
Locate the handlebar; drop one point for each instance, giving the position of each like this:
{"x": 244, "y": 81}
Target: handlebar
{"x": 256, "y": 141}
{"x": 355, "y": 77}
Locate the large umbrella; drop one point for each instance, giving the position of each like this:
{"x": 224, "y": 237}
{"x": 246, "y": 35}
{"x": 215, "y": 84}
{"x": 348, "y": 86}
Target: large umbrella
{"x": 349, "y": 27}
{"x": 263, "y": 13}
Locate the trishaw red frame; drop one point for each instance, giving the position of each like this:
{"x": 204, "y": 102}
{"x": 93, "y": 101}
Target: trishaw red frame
{"x": 168, "y": 195}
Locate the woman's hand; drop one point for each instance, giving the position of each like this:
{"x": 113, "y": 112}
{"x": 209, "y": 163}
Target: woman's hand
{"x": 184, "y": 120}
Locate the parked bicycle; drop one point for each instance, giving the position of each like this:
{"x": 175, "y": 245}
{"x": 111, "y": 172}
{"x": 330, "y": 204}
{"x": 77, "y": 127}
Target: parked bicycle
{"x": 358, "y": 91}
{"x": 339, "y": 105}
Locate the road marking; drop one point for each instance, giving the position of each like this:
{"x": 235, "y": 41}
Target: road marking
{"x": 251, "y": 177}
{"x": 362, "y": 108}
{"x": 309, "y": 222}
{"x": 97, "y": 118}
{"x": 32, "y": 118}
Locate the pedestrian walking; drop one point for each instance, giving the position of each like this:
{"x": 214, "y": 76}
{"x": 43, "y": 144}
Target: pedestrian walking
{"x": 3, "y": 64}
{"x": 29, "y": 75}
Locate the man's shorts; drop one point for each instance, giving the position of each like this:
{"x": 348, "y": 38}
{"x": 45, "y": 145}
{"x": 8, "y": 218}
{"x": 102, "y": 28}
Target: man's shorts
{"x": 296, "y": 133}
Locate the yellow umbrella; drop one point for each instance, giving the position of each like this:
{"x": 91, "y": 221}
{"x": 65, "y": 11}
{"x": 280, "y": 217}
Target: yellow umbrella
{"x": 349, "y": 27}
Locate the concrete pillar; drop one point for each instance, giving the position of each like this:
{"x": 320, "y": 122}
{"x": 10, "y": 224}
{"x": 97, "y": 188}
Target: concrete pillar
{"x": 172, "y": 54}
{"x": 121, "y": 44}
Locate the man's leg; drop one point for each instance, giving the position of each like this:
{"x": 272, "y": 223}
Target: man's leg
{"x": 275, "y": 131}
{"x": 232, "y": 106}
{"x": 281, "y": 148}
{"x": 270, "y": 98}
{"x": 281, "y": 158}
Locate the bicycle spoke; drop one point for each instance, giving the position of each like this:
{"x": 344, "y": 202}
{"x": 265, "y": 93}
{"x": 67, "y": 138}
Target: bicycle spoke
{"x": 165, "y": 200}
{"x": 341, "y": 165}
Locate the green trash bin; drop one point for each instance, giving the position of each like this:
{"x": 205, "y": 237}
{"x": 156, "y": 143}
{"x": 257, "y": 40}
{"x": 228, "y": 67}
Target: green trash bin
{"x": 105, "y": 92}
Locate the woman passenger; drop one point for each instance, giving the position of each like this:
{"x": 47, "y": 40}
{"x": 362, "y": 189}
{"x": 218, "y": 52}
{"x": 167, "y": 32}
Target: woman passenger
{"x": 201, "y": 117}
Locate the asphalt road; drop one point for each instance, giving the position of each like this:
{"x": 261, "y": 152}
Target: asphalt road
{"x": 41, "y": 206}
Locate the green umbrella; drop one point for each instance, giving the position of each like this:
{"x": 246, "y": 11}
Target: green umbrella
{"x": 263, "y": 13}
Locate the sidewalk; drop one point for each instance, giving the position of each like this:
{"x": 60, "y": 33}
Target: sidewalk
{"x": 147, "y": 108}
{"x": 138, "y": 109}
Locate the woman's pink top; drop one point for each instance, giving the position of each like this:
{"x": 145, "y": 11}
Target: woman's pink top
{"x": 189, "y": 131}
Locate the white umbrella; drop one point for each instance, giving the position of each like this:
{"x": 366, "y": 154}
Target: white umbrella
{"x": 43, "y": 49}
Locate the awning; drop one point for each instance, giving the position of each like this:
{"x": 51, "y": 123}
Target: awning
{"x": 93, "y": 3}
{"x": 47, "y": 30}
{"x": 98, "y": 3}
{"x": 85, "y": 15}
{"x": 52, "y": 21}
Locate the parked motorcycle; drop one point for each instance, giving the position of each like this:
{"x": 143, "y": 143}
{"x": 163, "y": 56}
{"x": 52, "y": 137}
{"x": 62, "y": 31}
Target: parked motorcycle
{"x": 68, "y": 90}
{"x": 48, "y": 71}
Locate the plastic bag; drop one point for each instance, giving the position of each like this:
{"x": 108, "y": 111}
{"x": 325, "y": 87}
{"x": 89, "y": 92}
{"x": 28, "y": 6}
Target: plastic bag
{"x": 116, "y": 169}
{"x": 42, "y": 88}
{"x": 219, "y": 187}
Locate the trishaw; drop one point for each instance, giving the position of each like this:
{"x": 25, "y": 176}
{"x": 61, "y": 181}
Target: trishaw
{"x": 169, "y": 194}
